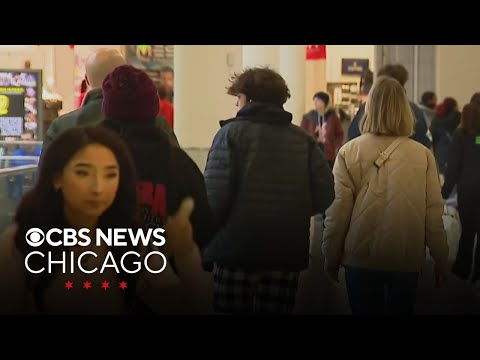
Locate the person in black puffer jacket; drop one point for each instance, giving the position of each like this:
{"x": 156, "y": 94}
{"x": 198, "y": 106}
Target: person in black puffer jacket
{"x": 265, "y": 178}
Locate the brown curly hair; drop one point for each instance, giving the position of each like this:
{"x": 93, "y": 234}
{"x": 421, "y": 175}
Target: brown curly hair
{"x": 396, "y": 71}
{"x": 260, "y": 84}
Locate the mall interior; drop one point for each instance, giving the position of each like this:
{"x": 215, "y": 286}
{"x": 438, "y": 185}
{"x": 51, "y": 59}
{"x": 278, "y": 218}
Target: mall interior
{"x": 51, "y": 78}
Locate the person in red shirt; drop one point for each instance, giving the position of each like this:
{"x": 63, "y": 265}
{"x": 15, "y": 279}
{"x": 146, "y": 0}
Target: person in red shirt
{"x": 325, "y": 126}
{"x": 166, "y": 107}
{"x": 83, "y": 92}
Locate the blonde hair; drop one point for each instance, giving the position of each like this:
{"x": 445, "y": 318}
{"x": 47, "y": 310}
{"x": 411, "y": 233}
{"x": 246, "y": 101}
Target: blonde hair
{"x": 387, "y": 111}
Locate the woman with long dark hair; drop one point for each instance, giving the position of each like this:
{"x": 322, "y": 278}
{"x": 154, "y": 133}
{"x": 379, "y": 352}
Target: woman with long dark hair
{"x": 463, "y": 170}
{"x": 445, "y": 121}
{"x": 87, "y": 181}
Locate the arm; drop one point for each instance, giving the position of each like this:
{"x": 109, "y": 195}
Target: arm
{"x": 203, "y": 221}
{"x": 454, "y": 165}
{"x": 190, "y": 289}
{"x": 338, "y": 215}
{"x": 354, "y": 130}
{"x": 321, "y": 180}
{"x": 195, "y": 285}
{"x": 219, "y": 176}
{"x": 338, "y": 133}
{"x": 435, "y": 235}
{"x": 307, "y": 124}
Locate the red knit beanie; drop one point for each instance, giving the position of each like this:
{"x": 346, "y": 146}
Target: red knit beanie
{"x": 129, "y": 93}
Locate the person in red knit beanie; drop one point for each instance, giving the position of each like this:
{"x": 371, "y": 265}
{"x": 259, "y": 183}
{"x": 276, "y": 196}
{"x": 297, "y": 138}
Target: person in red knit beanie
{"x": 129, "y": 93}
{"x": 166, "y": 174}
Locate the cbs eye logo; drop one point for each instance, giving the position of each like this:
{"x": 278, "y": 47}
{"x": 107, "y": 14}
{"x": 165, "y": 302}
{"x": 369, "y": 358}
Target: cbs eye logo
{"x": 35, "y": 237}
{"x": 4, "y": 103}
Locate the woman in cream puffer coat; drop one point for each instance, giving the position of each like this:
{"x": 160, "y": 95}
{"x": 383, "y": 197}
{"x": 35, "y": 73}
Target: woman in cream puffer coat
{"x": 388, "y": 208}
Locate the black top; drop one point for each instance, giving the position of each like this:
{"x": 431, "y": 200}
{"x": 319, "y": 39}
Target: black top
{"x": 463, "y": 166}
{"x": 166, "y": 175}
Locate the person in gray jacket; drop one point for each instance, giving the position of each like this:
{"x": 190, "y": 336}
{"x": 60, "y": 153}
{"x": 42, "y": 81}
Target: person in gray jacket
{"x": 99, "y": 64}
{"x": 265, "y": 178}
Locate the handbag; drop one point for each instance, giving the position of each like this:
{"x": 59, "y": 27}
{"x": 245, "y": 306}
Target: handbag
{"x": 453, "y": 228}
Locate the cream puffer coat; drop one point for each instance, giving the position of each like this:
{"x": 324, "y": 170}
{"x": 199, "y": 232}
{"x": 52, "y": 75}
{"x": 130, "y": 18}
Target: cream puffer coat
{"x": 387, "y": 225}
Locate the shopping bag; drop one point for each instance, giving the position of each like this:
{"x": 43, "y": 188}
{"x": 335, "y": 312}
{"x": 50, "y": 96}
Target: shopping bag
{"x": 453, "y": 228}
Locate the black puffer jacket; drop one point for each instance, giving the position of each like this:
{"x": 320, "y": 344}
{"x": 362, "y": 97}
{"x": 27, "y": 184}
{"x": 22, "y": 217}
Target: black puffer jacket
{"x": 265, "y": 177}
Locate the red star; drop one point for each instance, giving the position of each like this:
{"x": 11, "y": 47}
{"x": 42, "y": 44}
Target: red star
{"x": 87, "y": 285}
{"x": 68, "y": 285}
{"x": 105, "y": 285}
{"x": 123, "y": 285}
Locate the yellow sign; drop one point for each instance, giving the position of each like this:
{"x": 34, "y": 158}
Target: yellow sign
{"x": 14, "y": 90}
{"x": 4, "y": 104}
{"x": 144, "y": 52}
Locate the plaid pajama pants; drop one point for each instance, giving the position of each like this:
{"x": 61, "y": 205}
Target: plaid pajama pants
{"x": 240, "y": 292}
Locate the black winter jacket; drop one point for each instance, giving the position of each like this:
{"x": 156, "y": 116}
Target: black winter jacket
{"x": 463, "y": 166}
{"x": 265, "y": 178}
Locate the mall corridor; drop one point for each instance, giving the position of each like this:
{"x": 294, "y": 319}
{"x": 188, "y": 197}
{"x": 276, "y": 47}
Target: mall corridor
{"x": 261, "y": 112}
{"x": 318, "y": 296}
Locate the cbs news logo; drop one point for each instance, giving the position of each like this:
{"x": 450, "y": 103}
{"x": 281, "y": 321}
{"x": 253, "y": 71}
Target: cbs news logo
{"x": 4, "y": 104}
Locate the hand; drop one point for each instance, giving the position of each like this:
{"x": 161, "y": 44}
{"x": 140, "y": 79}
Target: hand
{"x": 179, "y": 234}
{"x": 440, "y": 277}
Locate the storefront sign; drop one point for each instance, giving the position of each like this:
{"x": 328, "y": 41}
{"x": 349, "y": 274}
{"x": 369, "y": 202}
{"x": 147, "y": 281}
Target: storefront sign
{"x": 150, "y": 58}
{"x": 354, "y": 66}
{"x": 316, "y": 52}
{"x": 20, "y": 98}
